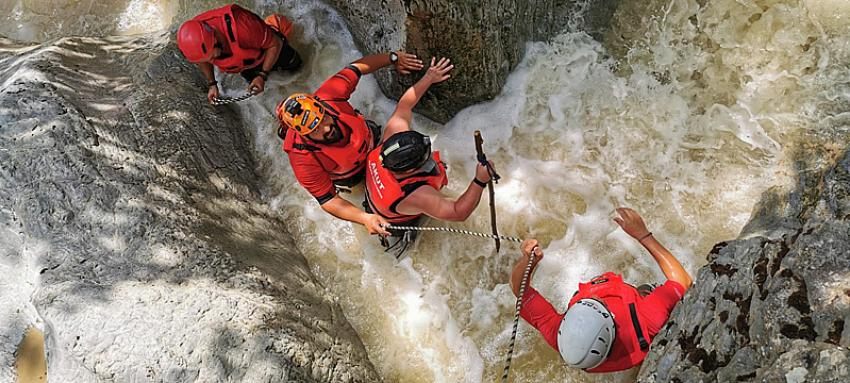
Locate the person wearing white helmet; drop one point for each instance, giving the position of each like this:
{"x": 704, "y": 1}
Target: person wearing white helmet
{"x": 609, "y": 324}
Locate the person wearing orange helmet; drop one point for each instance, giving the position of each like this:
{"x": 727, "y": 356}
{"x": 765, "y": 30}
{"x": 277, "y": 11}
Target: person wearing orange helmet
{"x": 236, "y": 40}
{"x": 609, "y": 324}
{"x": 404, "y": 177}
{"x": 327, "y": 139}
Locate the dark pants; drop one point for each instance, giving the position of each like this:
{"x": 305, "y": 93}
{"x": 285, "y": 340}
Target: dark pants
{"x": 288, "y": 60}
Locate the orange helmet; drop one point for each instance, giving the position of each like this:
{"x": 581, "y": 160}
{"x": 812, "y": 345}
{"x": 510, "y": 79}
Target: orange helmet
{"x": 301, "y": 112}
{"x": 196, "y": 40}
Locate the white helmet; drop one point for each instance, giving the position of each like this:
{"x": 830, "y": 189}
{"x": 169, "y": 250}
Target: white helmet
{"x": 586, "y": 334}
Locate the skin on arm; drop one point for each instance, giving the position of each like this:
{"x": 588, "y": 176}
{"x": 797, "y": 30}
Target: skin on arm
{"x": 427, "y": 200}
{"x": 632, "y": 224}
{"x": 258, "y": 84}
{"x": 207, "y": 70}
{"x": 527, "y": 247}
{"x": 342, "y": 209}
{"x": 400, "y": 120}
{"x": 406, "y": 63}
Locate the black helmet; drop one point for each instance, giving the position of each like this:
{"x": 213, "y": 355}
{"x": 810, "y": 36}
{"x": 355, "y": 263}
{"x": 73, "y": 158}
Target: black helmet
{"x": 405, "y": 150}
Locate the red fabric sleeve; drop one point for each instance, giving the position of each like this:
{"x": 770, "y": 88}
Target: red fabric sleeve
{"x": 656, "y": 307}
{"x": 340, "y": 86}
{"x": 540, "y": 314}
{"x": 312, "y": 176}
{"x": 253, "y": 31}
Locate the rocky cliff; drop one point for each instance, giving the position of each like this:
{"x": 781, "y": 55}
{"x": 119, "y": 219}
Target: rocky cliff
{"x": 772, "y": 305}
{"x": 484, "y": 39}
{"x": 132, "y": 230}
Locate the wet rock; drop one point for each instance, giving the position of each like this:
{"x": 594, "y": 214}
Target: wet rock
{"x": 132, "y": 233}
{"x": 772, "y": 305}
{"x": 484, "y": 39}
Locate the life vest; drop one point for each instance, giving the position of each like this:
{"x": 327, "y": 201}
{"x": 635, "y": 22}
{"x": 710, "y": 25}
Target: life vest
{"x": 384, "y": 192}
{"x": 342, "y": 161}
{"x": 240, "y": 58}
{"x": 610, "y": 286}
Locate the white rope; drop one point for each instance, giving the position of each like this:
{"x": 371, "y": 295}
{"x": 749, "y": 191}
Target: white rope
{"x": 228, "y": 100}
{"x": 451, "y": 230}
{"x": 516, "y": 314}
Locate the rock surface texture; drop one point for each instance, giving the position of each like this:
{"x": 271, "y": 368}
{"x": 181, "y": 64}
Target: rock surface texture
{"x": 133, "y": 234}
{"x": 485, "y": 40}
{"x": 773, "y": 305}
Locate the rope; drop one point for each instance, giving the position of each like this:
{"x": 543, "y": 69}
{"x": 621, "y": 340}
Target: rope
{"x": 451, "y": 230}
{"x": 228, "y": 100}
{"x": 516, "y": 314}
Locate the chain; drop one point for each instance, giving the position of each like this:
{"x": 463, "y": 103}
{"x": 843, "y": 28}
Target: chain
{"x": 228, "y": 100}
{"x": 516, "y": 314}
{"x": 451, "y": 230}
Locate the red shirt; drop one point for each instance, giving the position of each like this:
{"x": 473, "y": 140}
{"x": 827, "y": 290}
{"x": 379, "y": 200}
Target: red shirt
{"x": 253, "y": 32}
{"x": 307, "y": 168}
{"x": 653, "y": 311}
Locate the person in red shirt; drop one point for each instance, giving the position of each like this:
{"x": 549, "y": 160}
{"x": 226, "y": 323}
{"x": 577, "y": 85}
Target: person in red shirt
{"x": 237, "y": 41}
{"x": 404, "y": 177}
{"x": 327, "y": 140}
{"x": 609, "y": 324}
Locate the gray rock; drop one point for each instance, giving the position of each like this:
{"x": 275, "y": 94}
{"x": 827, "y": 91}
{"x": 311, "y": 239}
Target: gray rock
{"x": 772, "y": 305}
{"x": 137, "y": 204}
{"x": 484, "y": 39}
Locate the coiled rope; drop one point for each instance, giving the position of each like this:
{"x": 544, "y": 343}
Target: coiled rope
{"x": 521, "y": 286}
{"x": 227, "y": 100}
{"x": 516, "y": 314}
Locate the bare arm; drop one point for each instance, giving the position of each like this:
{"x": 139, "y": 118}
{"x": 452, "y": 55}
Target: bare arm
{"x": 207, "y": 70}
{"x": 406, "y": 62}
{"x": 342, "y": 209}
{"x": 430, "y": 201}
{"x": 271, "y": 54}
{"x": 632, "y": 223}
{"x": 400, "y": 120}
{"x": 527, "y": 246}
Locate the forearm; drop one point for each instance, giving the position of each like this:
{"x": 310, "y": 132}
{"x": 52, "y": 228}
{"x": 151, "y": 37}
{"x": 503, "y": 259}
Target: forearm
{"x": 411, "y": 97}
{"x": 342, "y": 209}
{"x": 271, "y": 55}
{"x": 467, "y": 202}
{"x": 371, "y": 63}
{"x": 517, "y": 273}
{"x": 207, "y": 71}
{"x": 670, "y": 266}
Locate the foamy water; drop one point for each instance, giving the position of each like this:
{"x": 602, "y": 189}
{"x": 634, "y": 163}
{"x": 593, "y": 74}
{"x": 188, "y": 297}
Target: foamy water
{"x": 687, "y": 119}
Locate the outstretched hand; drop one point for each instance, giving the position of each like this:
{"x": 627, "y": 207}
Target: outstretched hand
{"x": 439, "y": 71}
{"x": 631, "y": 222}
{"x": 407, "y": 62}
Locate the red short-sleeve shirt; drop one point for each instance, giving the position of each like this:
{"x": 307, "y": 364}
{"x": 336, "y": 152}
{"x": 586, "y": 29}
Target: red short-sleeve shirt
{"x": 654, "y": 310}
{"x": 308, "y": 170}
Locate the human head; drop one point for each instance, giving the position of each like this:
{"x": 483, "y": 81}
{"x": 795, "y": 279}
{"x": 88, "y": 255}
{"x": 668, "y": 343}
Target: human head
{"x": 586, "y": 334}
{"x": 301, "y": 112}
{"x": 406, "y": 151}
{"x": 197, "y": 41}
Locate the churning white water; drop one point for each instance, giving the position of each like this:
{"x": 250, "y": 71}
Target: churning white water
{"x": 687, "y": 114}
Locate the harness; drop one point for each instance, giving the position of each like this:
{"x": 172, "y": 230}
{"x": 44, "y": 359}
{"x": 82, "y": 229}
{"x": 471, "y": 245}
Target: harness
{"x": 609, "y": 286}
{"x": 240, "y": 58}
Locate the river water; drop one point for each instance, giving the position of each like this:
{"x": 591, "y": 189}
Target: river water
{"x": 687, "y": 113}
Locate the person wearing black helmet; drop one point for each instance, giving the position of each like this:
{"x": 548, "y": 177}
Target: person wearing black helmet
{"x": 404, "y": 177}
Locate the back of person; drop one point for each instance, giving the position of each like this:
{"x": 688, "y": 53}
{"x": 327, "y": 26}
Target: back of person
{"x": 384, "y": 192}
{"x": 637, "y": 319}
{"x": 609, "y": 324}
{"x": 244, "y": 31}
